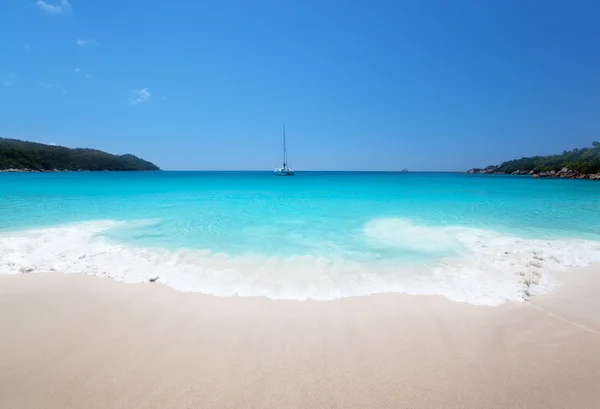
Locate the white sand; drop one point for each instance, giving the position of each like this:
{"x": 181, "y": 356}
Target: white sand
{"x": 71, "y": 341}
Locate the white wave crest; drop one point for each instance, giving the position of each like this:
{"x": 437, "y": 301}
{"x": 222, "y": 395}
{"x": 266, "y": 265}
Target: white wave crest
{"x": 484, "y": 268}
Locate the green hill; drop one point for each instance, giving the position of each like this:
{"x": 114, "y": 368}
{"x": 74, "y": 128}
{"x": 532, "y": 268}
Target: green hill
{"x": 22, "y": 155}
{"x": 576, "y": 162}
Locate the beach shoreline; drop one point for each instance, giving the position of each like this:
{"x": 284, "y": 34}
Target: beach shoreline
{"x": 72, "y": 341}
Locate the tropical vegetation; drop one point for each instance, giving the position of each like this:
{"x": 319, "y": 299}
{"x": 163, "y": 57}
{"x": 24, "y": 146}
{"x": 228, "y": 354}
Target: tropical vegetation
{"x": 584, "y": 161}
{"x": 22, "y": 155}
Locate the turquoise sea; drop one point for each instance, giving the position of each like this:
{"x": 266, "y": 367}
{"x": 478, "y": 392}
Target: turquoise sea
{"x": 321, "y": 235}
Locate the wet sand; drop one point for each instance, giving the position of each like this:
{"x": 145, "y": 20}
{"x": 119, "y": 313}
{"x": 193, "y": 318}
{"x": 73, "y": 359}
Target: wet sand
{"x": 72, "y": 341}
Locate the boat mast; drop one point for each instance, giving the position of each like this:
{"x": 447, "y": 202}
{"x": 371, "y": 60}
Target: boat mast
{"x": 284, "y": 149}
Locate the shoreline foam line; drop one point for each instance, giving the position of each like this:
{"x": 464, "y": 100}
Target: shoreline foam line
{"x": 493, "y": 269}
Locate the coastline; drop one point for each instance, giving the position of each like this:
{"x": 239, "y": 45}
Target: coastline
{"x": 563, "y": 173}
{"x": 67, "y": 171}
{"x": 72, "y": 341}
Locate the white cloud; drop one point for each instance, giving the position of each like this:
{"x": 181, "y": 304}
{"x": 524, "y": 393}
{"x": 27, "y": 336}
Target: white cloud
{"x": 63, "y": 6}
{"x": 8, "y": 79}
{"x": 139, "y": 96}
{"x": 85, "y": 43}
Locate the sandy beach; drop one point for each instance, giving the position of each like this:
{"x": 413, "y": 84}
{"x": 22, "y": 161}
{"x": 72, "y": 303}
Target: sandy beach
{"x": 72, "y": 341}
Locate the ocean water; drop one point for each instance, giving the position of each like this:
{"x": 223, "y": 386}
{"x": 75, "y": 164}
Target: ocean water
{"x": 478, "y": 239}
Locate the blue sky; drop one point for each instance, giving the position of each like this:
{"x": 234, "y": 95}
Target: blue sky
{"x": 377, "y": 85}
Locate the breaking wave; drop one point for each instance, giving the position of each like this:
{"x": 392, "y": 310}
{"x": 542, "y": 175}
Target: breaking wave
{"x": 476, "y": 266}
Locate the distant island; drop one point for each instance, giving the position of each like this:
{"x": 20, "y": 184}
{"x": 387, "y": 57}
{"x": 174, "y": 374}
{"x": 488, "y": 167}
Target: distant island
{"x": 575, "y": 164}
{"x": 23, "y": 156}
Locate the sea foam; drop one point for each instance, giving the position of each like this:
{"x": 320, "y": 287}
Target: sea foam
{"x": 481, "y": 267}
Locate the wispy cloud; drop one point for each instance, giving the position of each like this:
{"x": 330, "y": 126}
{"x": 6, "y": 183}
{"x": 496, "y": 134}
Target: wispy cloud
{"x": 86, "y": 76}
{"x": 9, "y": 79}
{"x": 28, "y": 46}
{"x": 139, "y": 96}
{"x": 63, "y": 6}
{"x": 58, "y": 87}
{"x": 86, "y": 42}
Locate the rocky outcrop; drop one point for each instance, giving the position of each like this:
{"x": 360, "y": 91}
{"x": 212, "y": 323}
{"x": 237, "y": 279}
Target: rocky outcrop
{"x": 567, "y": 174}
{"x": 563, "y": 173}
{"x": 486, "y": 171}
{"x": 17, "y": 170}
{"x": 523, "y": 172}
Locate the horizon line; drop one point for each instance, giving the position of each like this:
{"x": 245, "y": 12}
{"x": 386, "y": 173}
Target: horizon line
{"x": 312, "y": 170}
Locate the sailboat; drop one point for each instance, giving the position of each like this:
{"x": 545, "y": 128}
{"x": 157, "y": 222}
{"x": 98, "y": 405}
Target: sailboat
{"x": 284, "y": 170}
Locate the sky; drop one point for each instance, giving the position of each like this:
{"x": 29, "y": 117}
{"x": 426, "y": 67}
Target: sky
{"x": 361, "y": 85}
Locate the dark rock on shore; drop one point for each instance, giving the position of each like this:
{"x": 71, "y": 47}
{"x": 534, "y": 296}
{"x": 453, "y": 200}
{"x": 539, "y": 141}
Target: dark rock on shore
{"x": 563, "y": 173}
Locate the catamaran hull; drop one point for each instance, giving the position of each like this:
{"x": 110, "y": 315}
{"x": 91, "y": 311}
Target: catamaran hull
{"x": 283, "y": 173}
